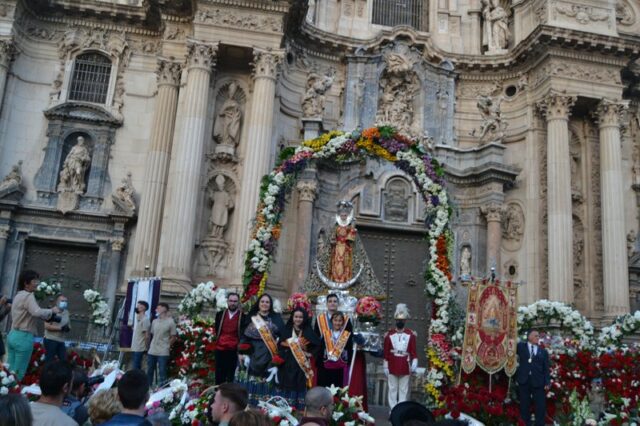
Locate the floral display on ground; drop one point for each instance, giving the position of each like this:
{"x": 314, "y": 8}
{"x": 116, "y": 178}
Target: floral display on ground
{"x": 192, "y": 353}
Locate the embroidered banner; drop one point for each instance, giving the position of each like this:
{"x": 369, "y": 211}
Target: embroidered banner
{"x": 491, "y": 328}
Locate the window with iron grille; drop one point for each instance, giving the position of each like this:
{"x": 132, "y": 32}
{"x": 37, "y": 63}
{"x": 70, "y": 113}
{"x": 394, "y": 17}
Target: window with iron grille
{"x": 90, "y": 80}
{"x": 391, "y": 13}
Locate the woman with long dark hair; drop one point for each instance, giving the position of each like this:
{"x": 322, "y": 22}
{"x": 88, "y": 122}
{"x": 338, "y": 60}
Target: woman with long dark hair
{"x": 298, "y": 345}
{"x": 259, "y": 339}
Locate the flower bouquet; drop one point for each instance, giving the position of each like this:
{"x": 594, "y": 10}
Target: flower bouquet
{"x": 299, "y": 300}
{"x": 279, "y": 411}
{"x": 8, "y": 382}
{"x": 45, "y": 290}
{"x": 170, "y": 399}
{"x": 100, "y": 314}
{"x": 348, "y": 409}
{"x": 368, "y": 310}
{"x": 197, "y": 299}
{"x": 195, "y": 411}
{"x": 192, "y": 353}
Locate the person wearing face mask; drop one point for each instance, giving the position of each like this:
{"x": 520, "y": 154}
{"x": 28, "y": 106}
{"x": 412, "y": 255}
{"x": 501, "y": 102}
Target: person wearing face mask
{"x": 54, "y": 333}
{"x": 140, "y": 339}
{"x": 400, "y": 358}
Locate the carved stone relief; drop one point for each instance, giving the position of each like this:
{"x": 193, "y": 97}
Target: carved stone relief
{"x": 465, "y": 262}
{"x": 574, "y": 70}
{"x": 229, "y": 118}
{"x": 582, "y": 14}
{"x": 512, "y": 226}
{"x": 239, "y": 20}
{"x": 398, "y": 86}
{"x": 396, "y": 200}
{"x": 314, "y": 97}
{"x": 12, "y": 182}
{"x": 576, "y": 168}
{"x": 579, "y": 278}
{"x": 493, "y": 127}
{"x": 123, "y": 197}
{"x": 624, "y": 13}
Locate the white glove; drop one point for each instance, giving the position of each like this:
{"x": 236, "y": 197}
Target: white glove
{"x": 246, "y": 361}
{"x": 385, "y": 366}
{"x": 273, "y": 374}
{"x": 414, "y": 365}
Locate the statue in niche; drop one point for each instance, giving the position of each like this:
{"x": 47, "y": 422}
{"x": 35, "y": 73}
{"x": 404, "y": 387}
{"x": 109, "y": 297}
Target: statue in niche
{"x": 342, "y": 241}
{"x": 74, "y": 168}
{"x": 465, "y": 262}
{"x": 13, "y": 179}
{"x": 635, "y": 158}
{"x": 399, "y": 84}
{"x": 123, "y": 197}
{"x": 495, "y": 29}
{"x": 513, "y": 223}
{"x": 396, "y": 203}
{"x": 578, "y": 243}
{"x": 576, "y": 191}
{"x": 317, "y": 86}
{"x": 230, "y": 116}
{"x": 493, "y": 127}
{"x": 222, "y": 203}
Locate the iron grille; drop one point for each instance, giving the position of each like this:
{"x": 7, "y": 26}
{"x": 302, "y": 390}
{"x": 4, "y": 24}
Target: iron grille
{"x": 391, "y": 13}
{"x": 90, "y": 82}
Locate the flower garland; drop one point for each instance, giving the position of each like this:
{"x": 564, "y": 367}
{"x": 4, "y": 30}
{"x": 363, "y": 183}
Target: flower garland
{"x": 204, "y": 294}
{"x": 380, "y": 142}
{"x": 44, "y": 290}
{"x": 100, "y": 314}
{"x": 567, "y": 318}
{"x": 623, "y": 326}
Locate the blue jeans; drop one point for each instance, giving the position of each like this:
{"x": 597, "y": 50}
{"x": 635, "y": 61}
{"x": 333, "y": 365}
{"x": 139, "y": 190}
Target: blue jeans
{"x": 161, "y": 362}
{"x": 20, "y": 346}
{"x": 53, "y": 349}
{"x": 137, "y": 360}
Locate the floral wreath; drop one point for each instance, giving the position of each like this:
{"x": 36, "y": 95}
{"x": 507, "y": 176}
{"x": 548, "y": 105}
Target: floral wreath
{"x": 623, "y": 326}
{"x": 408, "y": 155}
{"x": 100, "y": 314}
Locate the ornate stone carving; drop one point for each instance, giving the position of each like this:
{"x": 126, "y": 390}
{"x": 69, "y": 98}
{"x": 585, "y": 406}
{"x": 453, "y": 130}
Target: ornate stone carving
{"x": 582, "y": 14}
{"x": 576, "y": 168}
{"x": 74, "y": 168}
{"x": 511, "y": 269}
{"x": 495, "y": 29}
{"x": 12, "y": 181}
{"x": 7, "y": 52}
{"x": 266, "y": 63}
{"x": 306, "y": 190}
{"x": 237, "y": 19}
{"x": 5, "y": 230}
{"x": 201, "y": 55}
{"x": 398, "y": 86}
{"x": 216, "y": 253}
{"x": 229, "y": 121}
{"x": 632, "y": 237}
{"x": 396, "y": 201}
{"x": 168, "y": 72}
{"x": 611, "y": 113}
{"x": 123, "y": 197}
{"x": 492, "y": 127}
{"x": 313, "y": 100}
{"x": 575, "y": 70}
{"x": 513, "y": 223}
{"x": 492, "y": 211}
{"x": 635, "y": 167}
{"x": 117, "y": 244}
{"x": 624, "y": 13}
{"x": 578, "y": 242}
{"x": 465, "y": 262}
{"x": 173, "y": 32}
{"x": 556, "y": 106}
{"x": 222, "y": 203}
{"x": 114, "y": 43}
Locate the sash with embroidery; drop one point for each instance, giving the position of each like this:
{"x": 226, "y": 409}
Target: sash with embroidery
{"x": 325, "y": 330}
{"x": 338, "y": 346}
{"x": 301, "y": 359}
{"x": 265, "y": 335}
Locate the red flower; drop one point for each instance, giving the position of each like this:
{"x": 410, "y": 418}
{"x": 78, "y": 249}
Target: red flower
{"x": 244, "y": 347}
{"x": 277, "y": 360}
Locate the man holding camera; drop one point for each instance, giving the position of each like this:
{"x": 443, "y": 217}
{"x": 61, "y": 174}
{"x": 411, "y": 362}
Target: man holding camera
{"x": 54, "y": 333}
{"x": 73, "y": 404}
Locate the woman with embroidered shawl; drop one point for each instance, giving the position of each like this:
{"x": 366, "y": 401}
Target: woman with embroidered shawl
{"x": 299, "y": 343}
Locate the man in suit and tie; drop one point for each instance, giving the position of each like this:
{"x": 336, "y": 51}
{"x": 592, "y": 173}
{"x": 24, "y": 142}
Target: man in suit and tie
{"x": 533, "y": 378}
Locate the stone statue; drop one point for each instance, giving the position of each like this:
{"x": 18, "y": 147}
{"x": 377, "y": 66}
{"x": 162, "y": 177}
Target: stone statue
{"x": 123, "y": 197}
{"x": 492, "y": 128}
{"x": 635, "y": 170}
{"x": 495, "y": 28}
{"x": 231, "y": 116}
{"x": 396, "y": 203}
{"x": 313, "y": 100}
{"x": 74, "y": 168}
{"x": 222, "y": 203}
{"x": 512, "y": 223}
{"x": 13, "y": 179}
{"x": 465, "y": 262}
{"x": 342, "y": 241}
{"x": 398, "y": 87}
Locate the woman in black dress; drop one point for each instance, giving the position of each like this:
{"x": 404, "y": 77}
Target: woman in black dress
{"x": 336, "y": 360}
{"x": 299, "y": 343}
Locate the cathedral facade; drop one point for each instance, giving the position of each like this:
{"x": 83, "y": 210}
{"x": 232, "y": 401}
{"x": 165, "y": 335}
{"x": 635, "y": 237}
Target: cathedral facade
{"x": 134, "y": 134}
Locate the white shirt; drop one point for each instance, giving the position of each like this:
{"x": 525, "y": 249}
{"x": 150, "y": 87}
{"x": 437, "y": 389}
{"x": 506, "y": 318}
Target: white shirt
{"x": 533, "y": 349}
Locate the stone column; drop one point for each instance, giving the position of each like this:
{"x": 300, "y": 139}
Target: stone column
{"x": 145, "y": 249}
{"x": 4, "y": 235}
{"x": 185, "y": 172}
{"x": 493, "y": 214}
{"x": 306, "y": 195}
{"x": 614, "y": 248}
{"x": 6, "y": 55}
{"x": 117, "y": 244}
{"x": 556, "y": 108}
{"x": 257, "y": 152}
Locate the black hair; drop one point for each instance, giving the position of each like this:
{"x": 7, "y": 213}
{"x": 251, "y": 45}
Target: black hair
{"x": 133, "y": 389}
{"x": 15, "y": 410}
{"x": 164, "y": 305}
{"x": 143, "y": 303}
{"x": 235, "y": 393}
{"x": 26, "y": 277}
{"x": 256, "y": 306}
{"x": 233, "y": 293}
{"x": 54, "y": 376}
{"x": 330, "y": 295}
{"x": 79, "y": 378}
{"x": 338, "y": 314}
{"x": 305, "y": 317}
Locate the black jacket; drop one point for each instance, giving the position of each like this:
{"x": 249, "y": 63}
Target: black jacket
{"x": 535, "y": 373}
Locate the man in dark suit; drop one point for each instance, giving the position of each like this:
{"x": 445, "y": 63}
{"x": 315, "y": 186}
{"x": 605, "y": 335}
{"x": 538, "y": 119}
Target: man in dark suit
{"x": 533, "y": 378}
{"x": 228, "y": 323}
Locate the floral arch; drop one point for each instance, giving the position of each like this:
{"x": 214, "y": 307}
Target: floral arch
{"x": 408, "y": 155}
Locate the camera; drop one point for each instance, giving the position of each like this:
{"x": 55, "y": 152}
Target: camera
{"x": 91, "y": 381}
{"x": 54, "y": 318}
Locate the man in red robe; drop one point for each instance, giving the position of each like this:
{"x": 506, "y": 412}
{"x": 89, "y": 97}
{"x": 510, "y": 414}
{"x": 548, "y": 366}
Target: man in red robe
{"x": 228, "y": 322}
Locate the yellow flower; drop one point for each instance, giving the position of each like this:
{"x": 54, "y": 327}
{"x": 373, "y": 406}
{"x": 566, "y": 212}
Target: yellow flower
{"x": 375, "y": 149}
{"x": 318, "y": 143}
{"x": 262, "y": 285}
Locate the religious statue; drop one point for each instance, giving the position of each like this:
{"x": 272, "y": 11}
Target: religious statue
{"x": 222, "y": 203}
{"x": 231, "y": 116}
{"x": 74, "y": 168}
{"x": 512, "y": 223}
{"x": 123, "y": 197}
{"x": 313, "y": 100}
{"x": 465, "y": 262}
{"x": 492, "y": 128}
{"x": 396, "y": 203}
{"x": 13, "y": 179}
{"x": 495, "y": 29}
{"x": 341, "y": 268}
{"x": 398, "y": 86}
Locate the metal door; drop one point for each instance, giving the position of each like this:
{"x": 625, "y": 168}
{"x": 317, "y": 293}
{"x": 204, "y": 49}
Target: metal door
{"x": 399, "y": 261}
{"x": 74, "y": 267}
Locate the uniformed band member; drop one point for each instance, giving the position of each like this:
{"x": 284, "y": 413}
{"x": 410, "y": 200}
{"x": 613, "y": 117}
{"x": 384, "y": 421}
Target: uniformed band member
{"x": 400, "y": 358}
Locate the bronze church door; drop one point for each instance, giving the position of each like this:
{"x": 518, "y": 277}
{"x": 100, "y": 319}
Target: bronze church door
{"x": 399, "y": 261}
{"x": 74, "y": 267}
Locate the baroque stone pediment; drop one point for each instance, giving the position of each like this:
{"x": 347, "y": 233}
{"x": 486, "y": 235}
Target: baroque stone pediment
{"x": 82, "y": 112}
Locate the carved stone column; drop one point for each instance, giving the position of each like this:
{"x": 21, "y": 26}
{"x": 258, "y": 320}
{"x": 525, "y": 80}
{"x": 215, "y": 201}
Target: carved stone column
{"x": 4, "y": 235}
{"x": 185, "y": 172}
{"x": 6, "y": 55}
{"x": 145, "y": 250}
{"x": 493, "y": 214}
{"x": 614, "y": 248}
{"x": 257, "y": 152}
{"x": 117, "y": 244}
{"x": 306, "y": 196}
{"x": 556, "y": 108}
